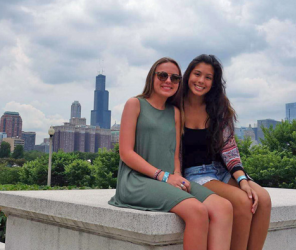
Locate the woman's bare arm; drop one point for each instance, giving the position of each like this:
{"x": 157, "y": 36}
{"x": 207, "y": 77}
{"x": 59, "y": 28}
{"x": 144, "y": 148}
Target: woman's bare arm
{"x": 127, "y": 139}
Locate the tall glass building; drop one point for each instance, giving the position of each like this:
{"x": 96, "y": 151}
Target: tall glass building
{"x": 101, "y": 115}
{"x": 291, "y": 111}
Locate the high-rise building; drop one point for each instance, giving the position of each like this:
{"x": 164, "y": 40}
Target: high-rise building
{"x": 101, "y": 116}
{"x": 29, "y": 139}
{"x": 266, "y": 124}
{"x": 11, "y": 124}
{"x": 75, "y": 110}
{"x": 291, "y": 111}
{"x": 83, "y": 138}
{"x": 115, "y": 134}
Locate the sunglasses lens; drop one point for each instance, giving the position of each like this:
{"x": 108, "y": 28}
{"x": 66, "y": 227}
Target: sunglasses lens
{"x": 162, "y": 76}
{"x": 175, "y": 78}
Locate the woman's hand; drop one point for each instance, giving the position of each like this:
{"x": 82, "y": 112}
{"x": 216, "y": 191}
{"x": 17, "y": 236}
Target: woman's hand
{"x": 244, "y": 185}
{"x": 178, "y": 181}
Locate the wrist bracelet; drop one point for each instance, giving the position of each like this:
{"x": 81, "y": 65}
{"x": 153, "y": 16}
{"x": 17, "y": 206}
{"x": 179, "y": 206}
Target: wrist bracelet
{"x": 242, "y": 177}
{"x": 156, "y": 173}
{"x": 165, "y": 177}
{"x": 156, "y": 177}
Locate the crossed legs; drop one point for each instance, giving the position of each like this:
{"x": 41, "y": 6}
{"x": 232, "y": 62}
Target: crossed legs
{"x": 208, "y": 225}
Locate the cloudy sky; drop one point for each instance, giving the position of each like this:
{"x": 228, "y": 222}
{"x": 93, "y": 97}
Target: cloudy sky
{"x": 51, "y": 52}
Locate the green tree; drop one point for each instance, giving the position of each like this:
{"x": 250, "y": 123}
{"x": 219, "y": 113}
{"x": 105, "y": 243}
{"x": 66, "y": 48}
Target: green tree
{"x": 4, "y": 149}
{"x": 35, "y": 172}
{"x": 106, "y": 167}
{"x": 32, "y": 155}
{"x": 244, "y": 146}
{"x": 18, "y": 152}
{"x": 86, "y": 156}
{"x": 9, "y": 175}
{"x": 281, "y": 138}
{"x": 271, "y": 168}
{"x": 79, "y": 173}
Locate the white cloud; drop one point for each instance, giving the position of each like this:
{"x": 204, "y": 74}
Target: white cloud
{"x": 51, "y": 52}
{"x": 34, "y": 119}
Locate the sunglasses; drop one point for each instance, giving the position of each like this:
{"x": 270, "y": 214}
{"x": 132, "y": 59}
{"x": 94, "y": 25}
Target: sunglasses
{"x": 163, "y": 76}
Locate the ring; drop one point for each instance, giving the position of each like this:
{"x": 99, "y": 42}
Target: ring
{"x": 183, "y": 182}
{"x": 181, "y": 185}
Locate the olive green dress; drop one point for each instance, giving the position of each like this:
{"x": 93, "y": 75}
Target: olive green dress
{"x": 155, "y": 141}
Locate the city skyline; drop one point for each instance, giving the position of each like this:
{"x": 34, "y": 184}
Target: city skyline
{"x": 51, "y": 51}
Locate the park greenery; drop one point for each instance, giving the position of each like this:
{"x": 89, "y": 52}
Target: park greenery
{"x": 271, "y": 164}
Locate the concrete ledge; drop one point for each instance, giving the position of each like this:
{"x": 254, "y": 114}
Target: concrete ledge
{"x": 2, "y": 246}
{"x": 86, "y": 215}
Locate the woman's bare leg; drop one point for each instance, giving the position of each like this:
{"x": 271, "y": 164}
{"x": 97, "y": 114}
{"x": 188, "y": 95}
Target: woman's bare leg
{"x": 242, "y": 215}
{"x": 196, "y": 219}
{"x": 220, "y": 214}
{"x": 261, "y": 218}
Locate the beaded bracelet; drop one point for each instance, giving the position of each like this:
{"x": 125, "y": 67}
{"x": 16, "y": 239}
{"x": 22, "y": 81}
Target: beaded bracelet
{"x": 156, "y": 173}
{"x": 239, "y": 179}
{"x": 165, "y": 177}
{"x": 156, "y": 178}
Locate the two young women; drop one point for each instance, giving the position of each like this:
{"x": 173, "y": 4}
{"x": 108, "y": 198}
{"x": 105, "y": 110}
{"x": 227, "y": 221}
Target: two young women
{"x": 149, "y": 176}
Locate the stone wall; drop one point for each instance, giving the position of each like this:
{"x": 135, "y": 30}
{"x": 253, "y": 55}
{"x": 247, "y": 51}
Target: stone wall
{"x": 82, "y": 219}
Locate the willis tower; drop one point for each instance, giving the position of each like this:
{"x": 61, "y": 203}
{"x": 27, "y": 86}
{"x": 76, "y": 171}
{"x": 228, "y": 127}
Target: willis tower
{"x": 101, "y": 116}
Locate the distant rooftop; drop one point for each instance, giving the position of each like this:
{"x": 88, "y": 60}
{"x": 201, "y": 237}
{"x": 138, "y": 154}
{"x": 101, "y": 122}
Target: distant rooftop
{"x": 11, "y": 113}
{"x": 115, "y": 127}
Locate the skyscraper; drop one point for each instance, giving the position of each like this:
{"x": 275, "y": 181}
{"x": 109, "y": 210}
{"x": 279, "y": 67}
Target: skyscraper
{"x": 291, "y": 111}
{"x": 11, "y": 124}
{"x": 75, "y": 110}
{"x": 101, "y": 116}
{"x": 29, "y": 139}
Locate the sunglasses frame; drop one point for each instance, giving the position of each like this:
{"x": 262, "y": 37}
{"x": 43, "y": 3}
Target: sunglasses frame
{"x": 176, "y": 80}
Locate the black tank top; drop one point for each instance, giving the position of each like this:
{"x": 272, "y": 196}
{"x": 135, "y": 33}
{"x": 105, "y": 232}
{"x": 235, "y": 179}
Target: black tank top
{"x": 196, "y": 148}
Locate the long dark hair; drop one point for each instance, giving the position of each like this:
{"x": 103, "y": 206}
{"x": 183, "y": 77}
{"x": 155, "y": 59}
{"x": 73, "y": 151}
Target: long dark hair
{"x": 220, "y": 113}
{"x": 148, "y": 89}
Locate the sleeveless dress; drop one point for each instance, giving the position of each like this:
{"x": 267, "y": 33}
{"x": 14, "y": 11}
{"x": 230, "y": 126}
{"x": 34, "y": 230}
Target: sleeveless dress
{"x": 155, "y": 141}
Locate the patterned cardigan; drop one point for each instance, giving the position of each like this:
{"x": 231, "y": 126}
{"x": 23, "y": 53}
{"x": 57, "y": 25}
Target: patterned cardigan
{"x": 230, "y": 154}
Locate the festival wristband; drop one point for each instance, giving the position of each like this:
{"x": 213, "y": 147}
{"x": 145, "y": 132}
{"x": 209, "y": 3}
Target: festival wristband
{"x": 165, "y": 177}
{"x": 242, "y": 177}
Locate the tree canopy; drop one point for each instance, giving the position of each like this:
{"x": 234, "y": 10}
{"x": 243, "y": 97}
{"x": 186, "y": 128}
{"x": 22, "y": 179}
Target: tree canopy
{"x": 4, "y": 150}
{"x": 18, "y": 152}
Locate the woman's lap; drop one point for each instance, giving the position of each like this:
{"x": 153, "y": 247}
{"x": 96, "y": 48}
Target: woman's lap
{"x": 160, "y": 196}
{"x": 205, "y": 173}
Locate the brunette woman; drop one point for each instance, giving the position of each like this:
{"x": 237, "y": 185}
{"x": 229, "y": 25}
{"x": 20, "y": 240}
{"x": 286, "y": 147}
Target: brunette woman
{"x": 210, "y": 154}
{"x": 149, "y": 170}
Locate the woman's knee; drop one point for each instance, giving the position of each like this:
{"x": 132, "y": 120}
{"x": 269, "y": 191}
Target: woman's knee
{"x": 264, "y": 200}
{"x": 242, "y": 207}
{"x": 193, "y": 211}
{"x": 219, "y": 207}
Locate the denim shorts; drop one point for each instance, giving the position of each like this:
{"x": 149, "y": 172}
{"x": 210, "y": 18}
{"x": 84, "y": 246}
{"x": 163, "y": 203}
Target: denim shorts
{"x": 205, "y": 173}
